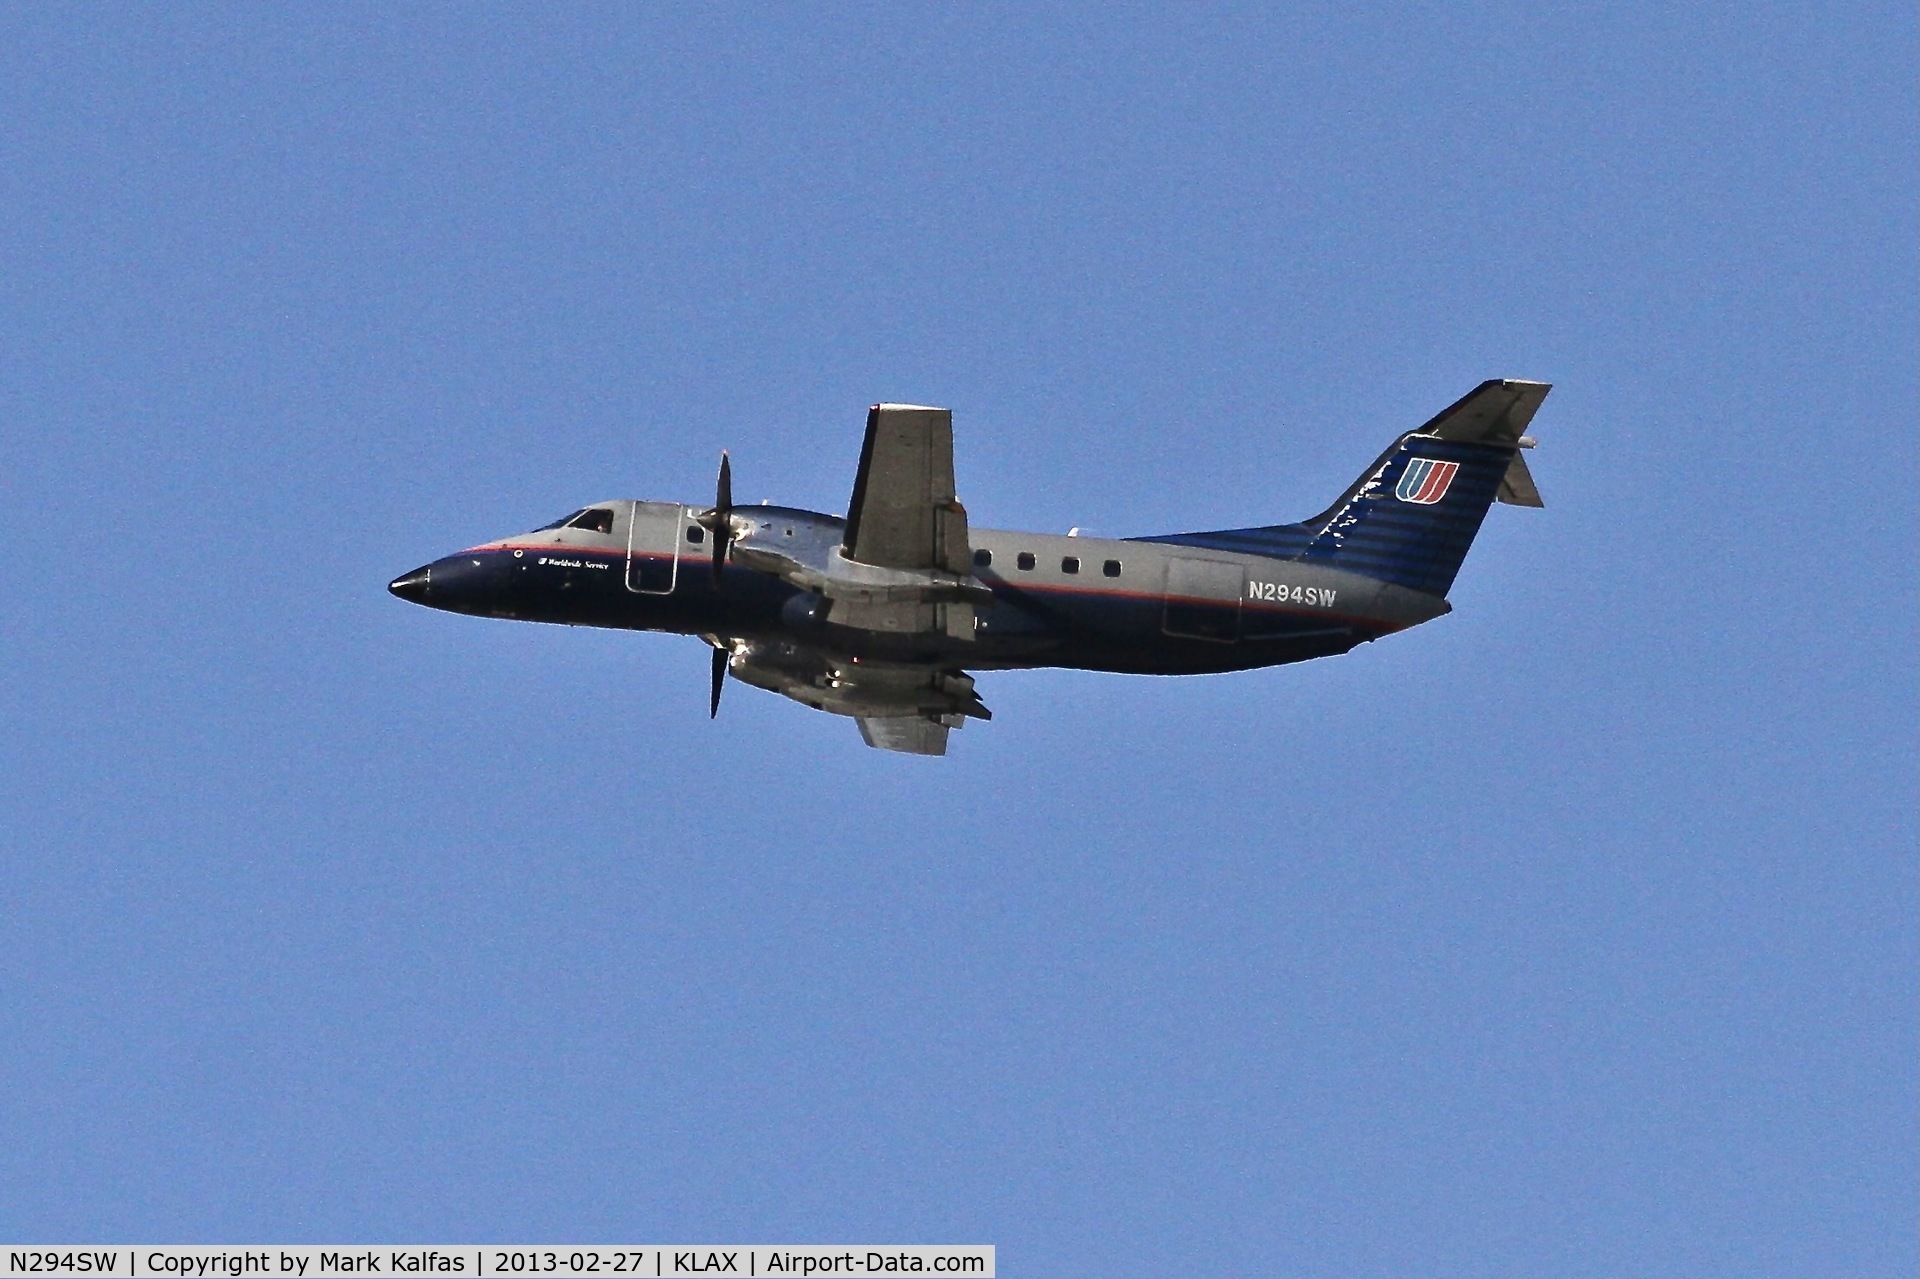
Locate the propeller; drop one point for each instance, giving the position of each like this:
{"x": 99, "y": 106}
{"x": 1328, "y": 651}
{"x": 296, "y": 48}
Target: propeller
{"x": 718, "y": 520}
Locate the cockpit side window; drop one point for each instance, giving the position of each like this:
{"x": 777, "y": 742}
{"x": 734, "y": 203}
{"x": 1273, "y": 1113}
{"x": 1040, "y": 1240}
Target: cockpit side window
{"x": 597, "y": 519}
{"x": 562, "y": 522}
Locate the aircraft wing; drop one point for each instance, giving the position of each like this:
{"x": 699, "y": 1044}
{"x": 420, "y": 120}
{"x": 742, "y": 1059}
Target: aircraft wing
{"x": 911, "y": 736}
{"x": 903, "y": 513}
{"x": 901, "y": 706}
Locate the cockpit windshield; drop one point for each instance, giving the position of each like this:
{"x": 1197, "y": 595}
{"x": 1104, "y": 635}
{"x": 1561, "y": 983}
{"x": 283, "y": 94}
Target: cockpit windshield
{"x": 595, "y": 519}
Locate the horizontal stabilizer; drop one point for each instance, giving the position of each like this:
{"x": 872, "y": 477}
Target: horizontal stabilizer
{"x": 1495, "y": 412}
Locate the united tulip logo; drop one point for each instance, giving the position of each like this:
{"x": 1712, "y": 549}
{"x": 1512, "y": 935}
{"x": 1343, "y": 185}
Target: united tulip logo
{"x": 1425, "y": 481}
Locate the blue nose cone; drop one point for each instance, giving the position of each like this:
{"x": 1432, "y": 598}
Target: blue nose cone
{"x": 464, "y": 583}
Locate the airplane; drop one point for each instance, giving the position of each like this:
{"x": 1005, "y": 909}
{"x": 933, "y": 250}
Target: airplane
{"x": 882, "y": 614}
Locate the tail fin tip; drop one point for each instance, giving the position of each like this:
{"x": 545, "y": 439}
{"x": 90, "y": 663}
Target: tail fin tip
{"x": 1495, "y": 412}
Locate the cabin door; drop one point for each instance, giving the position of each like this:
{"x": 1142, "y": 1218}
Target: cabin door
{"x": 653, "y": 547}
{"x": 1203, "y": 599}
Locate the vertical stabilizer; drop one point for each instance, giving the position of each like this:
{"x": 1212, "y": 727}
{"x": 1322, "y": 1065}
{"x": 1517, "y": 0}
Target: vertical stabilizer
{"x": 1410, "y": 520}
{"x": 1411, "y": 517}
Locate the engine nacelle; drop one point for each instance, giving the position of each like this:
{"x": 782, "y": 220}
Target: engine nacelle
{"x": 804, "y": 548}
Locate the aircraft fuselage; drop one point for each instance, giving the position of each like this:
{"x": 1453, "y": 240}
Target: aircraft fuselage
{"x": 1139, "y": 606}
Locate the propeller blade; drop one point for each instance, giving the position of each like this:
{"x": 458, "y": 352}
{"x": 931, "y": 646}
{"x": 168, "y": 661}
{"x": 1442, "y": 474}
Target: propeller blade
{"x": 719, "y": 681}
{"x": 722, "y": 528}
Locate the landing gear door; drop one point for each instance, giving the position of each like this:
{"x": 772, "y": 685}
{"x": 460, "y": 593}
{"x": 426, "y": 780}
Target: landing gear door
{"x": 1203, "y": 599}
{"x": 653, "y": 547}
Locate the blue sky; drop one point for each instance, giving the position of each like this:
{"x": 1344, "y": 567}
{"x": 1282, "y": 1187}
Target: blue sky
{"x": 1574, "y": 933}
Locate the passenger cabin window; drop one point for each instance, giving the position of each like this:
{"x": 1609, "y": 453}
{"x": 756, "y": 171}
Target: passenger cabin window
{"x": 595, "y": 520}
{"x": 1070, "y": 564}
{"x": 1025, "y": 560}
{"x": 696, "y": 534}
{"x": 983, "y": 559}
{"x": 1111, "y": 568}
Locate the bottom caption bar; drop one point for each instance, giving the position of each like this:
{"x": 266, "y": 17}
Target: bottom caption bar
{"x": 495, "y": 1261}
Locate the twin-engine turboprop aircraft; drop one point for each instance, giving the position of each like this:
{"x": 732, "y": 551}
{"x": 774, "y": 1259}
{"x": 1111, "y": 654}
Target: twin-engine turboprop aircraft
{"x": 881, "y": 615}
